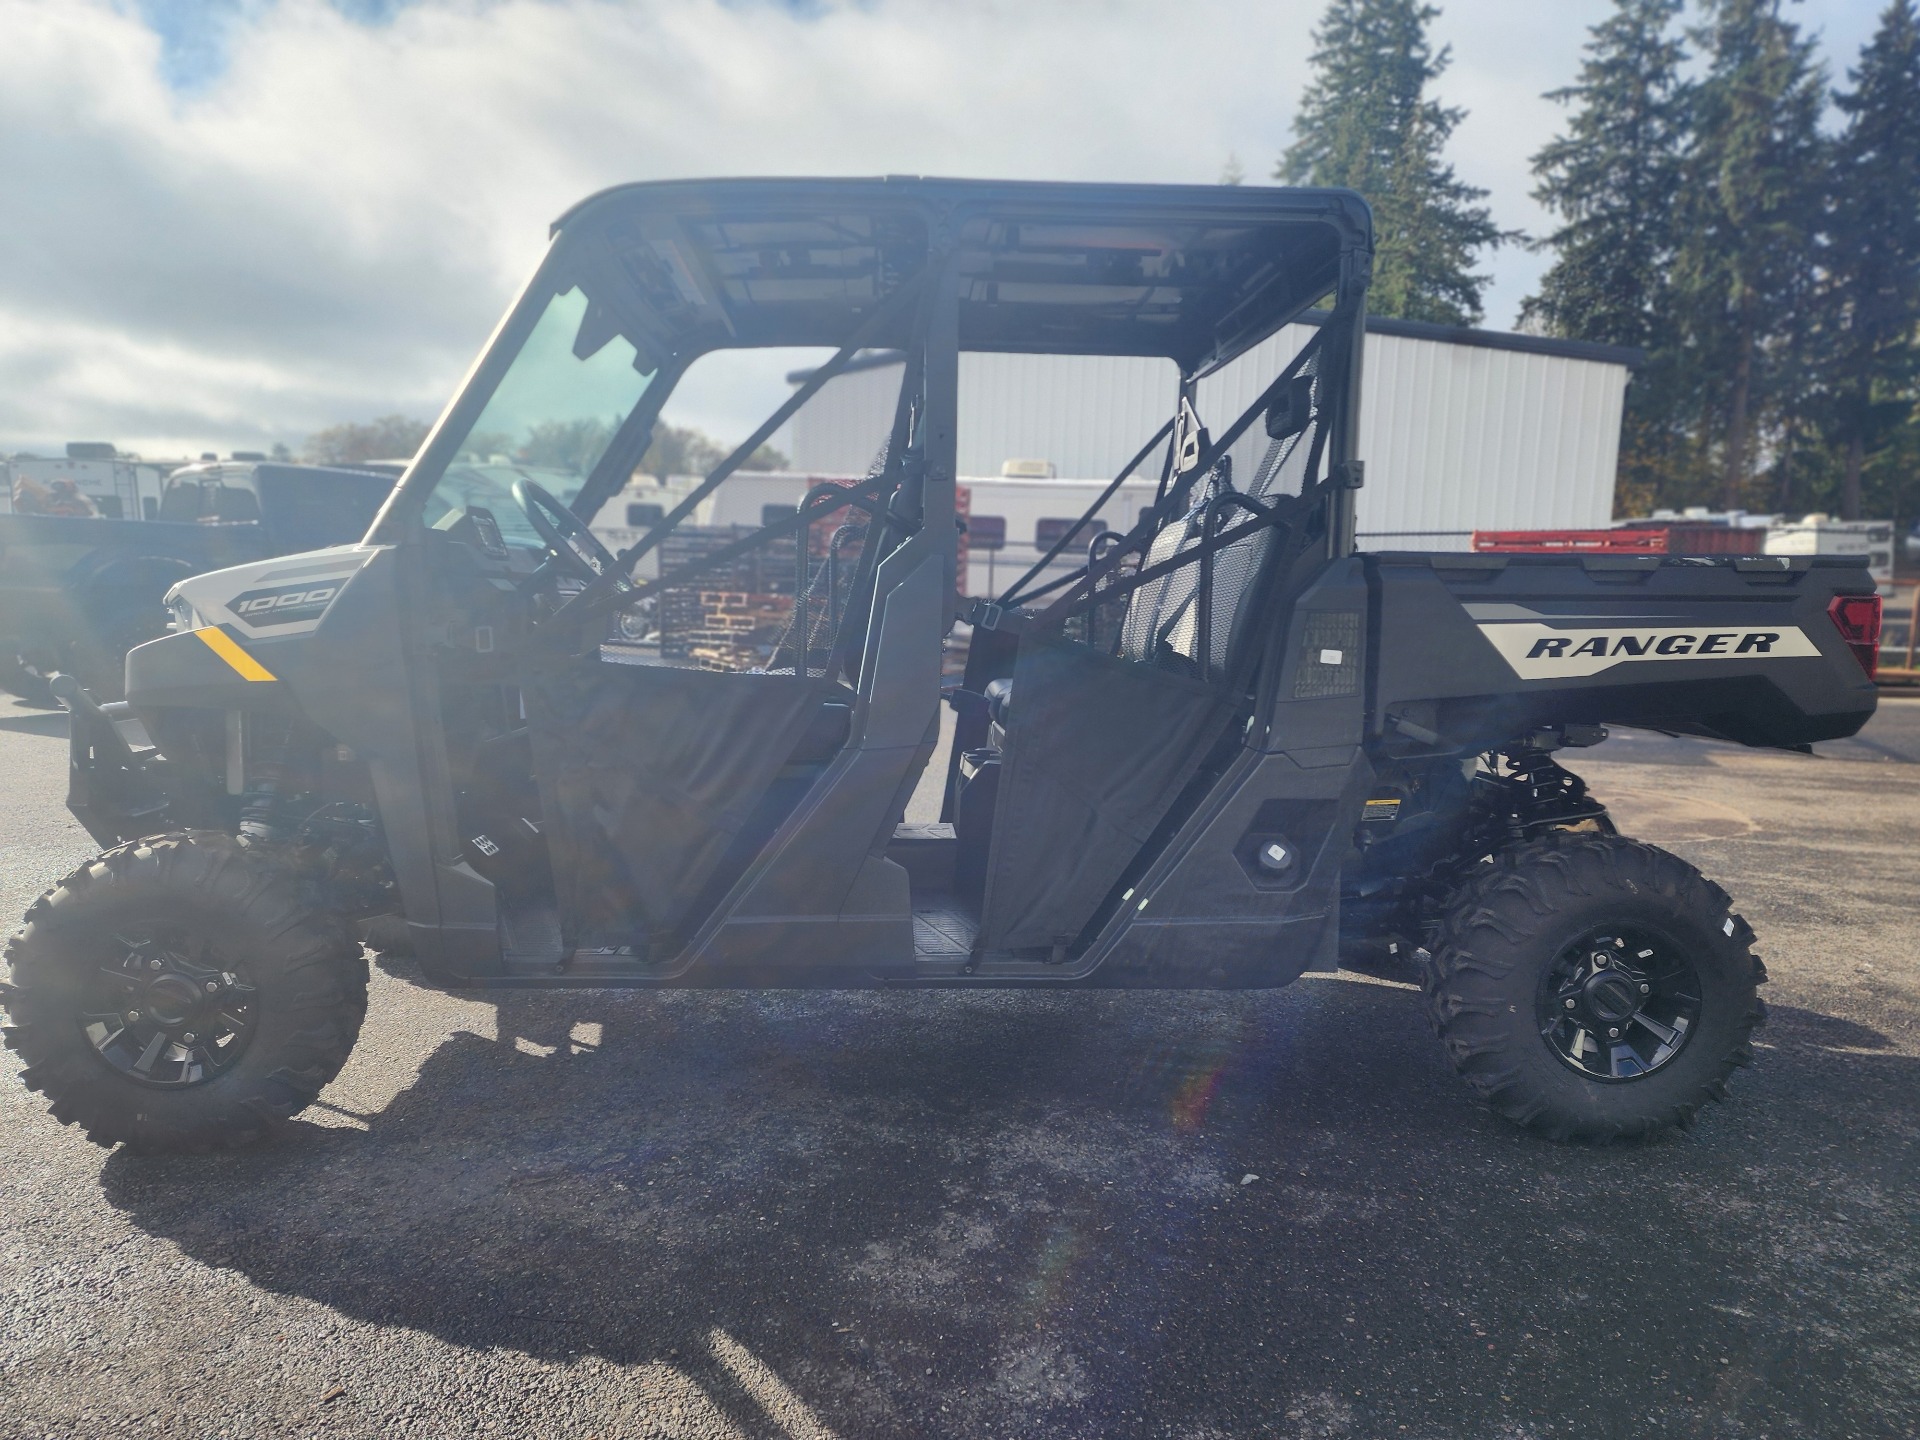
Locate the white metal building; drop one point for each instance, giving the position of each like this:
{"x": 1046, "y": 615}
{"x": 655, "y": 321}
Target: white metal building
{"x": 1460, "y": 430}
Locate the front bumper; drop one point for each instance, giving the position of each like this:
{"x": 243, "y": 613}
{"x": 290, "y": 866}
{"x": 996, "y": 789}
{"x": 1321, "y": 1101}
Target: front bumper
{"x": 115, "y": 791}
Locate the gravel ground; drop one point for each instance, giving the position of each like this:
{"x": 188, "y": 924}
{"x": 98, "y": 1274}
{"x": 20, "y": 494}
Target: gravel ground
{"x": 975, "y": 1214}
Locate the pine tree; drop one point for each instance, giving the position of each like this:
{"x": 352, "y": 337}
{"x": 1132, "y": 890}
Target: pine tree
{"x": 1611, "y": 179}
{"x": 1873, "y": 256}
{"x": 1796, "y": 371}
{"x": 1366, "y": 122}
{"x": 1751, "y": 212}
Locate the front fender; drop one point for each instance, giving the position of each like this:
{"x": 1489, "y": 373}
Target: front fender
{"x": 205, "y": 669}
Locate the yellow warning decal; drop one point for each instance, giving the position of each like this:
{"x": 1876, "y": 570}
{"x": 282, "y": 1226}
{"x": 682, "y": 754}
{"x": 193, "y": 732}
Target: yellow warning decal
{"x": 224, "y": 645}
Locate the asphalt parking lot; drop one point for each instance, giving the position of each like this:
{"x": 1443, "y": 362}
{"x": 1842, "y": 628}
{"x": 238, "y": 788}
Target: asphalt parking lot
{"x": 1153, "y": 1214}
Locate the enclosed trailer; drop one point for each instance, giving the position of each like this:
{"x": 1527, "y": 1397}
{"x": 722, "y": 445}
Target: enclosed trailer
{"x": 90, "y": 480}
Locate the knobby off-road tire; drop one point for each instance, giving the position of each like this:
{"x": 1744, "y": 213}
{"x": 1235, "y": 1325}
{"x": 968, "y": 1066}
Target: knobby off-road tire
{"x": 196, "y": 936}
{"x": 1530, "y": 951}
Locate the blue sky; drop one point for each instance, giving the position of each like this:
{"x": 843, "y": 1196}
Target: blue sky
{"x": 194, "y": 33}
{"x": 233, "y": 222}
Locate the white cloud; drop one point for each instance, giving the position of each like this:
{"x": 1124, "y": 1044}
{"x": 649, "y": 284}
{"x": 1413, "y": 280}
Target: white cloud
{"x": 329, "y": 228}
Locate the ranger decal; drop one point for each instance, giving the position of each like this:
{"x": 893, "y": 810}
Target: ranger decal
{"x": 1539, "y": 651}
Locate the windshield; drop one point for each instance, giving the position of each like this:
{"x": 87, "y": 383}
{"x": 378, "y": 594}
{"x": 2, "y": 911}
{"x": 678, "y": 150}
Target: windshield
{"x": 550, "y": 420}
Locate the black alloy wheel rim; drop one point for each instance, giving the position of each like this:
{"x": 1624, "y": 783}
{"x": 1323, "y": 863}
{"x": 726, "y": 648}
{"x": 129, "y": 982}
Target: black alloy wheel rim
{"x": 1619, "y": 1003}
{"x": 165, "y": 1010}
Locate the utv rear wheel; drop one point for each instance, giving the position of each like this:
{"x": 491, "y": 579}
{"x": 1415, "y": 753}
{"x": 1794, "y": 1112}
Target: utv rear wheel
{"x": 174, "y": 994}
{"x": 1592, "y": 987}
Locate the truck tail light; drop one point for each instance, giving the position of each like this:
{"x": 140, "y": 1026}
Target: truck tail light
{"x": 1857, "y": 618}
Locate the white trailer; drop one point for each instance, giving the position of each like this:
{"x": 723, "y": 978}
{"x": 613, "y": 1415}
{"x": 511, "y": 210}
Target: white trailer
{"x": 750, "y": 497}
{"x": 1870, "y": 540}
{"x": 1012, "y": 522}
{"x": 88, "y": 481}
{"x": 1817, "y": 534}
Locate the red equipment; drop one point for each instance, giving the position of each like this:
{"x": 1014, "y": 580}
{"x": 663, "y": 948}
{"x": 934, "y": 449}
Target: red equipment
{"x": 1638, "y": 538}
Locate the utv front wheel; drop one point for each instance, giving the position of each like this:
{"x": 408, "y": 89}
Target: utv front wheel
{"x": 174, "y": 994}
{"x": 1591, "y": 987}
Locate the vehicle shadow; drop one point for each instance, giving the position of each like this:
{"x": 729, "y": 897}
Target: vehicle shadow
{"x": 1084, "y": 1214}
{"x": 35, "y": 722}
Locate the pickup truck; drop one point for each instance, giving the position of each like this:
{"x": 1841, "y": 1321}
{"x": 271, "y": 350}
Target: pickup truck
{"x": 89, "y": 548}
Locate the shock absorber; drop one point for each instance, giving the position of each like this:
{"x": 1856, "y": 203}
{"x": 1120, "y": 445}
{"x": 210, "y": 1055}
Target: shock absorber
{"x": 260, "y": 805}
{"x": 267, "y": 782}
{"x": 1541, "y": 792}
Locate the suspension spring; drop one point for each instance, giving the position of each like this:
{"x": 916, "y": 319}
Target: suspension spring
{"x": 260, "y": 807}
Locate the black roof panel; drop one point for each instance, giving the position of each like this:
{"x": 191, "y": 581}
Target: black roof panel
{"x": 1192, "y": 272}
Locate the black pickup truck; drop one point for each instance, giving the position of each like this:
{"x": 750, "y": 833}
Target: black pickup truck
{"x": 82, "y": 581}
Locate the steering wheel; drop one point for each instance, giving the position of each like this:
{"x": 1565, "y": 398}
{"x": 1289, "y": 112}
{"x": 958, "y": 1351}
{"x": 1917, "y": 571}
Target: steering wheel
{"x": 577, "y": 550}
{"x": 573, "y": 546}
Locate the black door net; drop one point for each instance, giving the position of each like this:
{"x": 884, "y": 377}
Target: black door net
{"x": 1123, "y": 684}
{"x": 1098, "y": 750}
{"x": 647, "y": 776}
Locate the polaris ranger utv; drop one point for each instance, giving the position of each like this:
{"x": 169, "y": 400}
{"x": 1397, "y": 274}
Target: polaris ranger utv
{"x": 1225, "y": 750}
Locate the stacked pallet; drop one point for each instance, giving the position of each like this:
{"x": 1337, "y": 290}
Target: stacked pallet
{"x": 684, "y": 613}
{"x": 737, "y": 629}
{"x": 732, "y": 616}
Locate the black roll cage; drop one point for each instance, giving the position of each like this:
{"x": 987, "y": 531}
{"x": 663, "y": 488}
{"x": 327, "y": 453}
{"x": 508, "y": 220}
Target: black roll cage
{"x": 581, "y": 252}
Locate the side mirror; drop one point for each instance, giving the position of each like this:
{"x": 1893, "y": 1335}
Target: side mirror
{"x": 1291, "y": 409}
